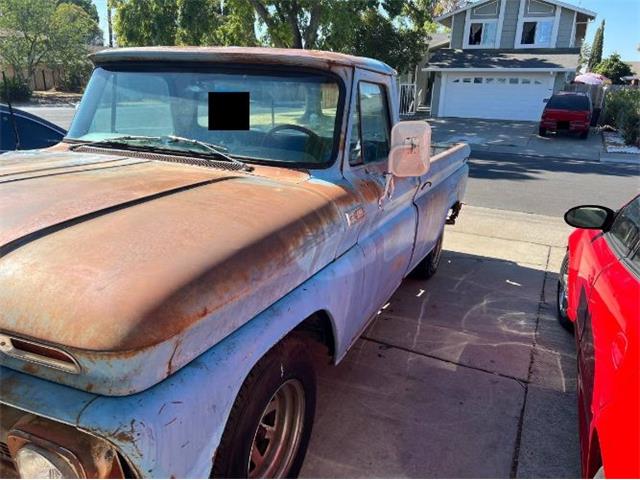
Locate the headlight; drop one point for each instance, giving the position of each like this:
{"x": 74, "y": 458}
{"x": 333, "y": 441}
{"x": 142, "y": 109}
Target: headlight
{"x": 42, "y": 448}
{"x": 35, "y": 462}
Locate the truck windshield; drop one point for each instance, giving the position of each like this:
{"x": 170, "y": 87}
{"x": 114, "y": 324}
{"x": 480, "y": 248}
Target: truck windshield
{"x": 293, "y": 115}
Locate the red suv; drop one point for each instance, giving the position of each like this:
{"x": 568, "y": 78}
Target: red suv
{"x": 567, "y": 111}
{"x": 599, "y": 295}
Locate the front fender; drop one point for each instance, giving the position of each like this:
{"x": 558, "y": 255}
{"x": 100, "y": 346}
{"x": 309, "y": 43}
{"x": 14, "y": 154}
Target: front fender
{"x": 173, "y": 428}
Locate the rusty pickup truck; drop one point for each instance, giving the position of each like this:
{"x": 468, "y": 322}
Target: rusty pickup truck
{"x": 211, "y": 215}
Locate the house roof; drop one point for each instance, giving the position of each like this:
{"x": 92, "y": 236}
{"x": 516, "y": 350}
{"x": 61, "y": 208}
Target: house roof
{"x": 469, "y": 5}
{"x": 439, "y": 39}
{"x": 556, "y": 60}
{"x": 282, "y": 56}
{"x": 635, "y": 66}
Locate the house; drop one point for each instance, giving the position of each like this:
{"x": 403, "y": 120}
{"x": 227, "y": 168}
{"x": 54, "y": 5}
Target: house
{"x": 506, "y": 58}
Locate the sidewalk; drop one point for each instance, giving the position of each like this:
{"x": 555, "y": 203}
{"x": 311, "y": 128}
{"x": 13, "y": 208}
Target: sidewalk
{"x": 515, "y": 138}
{"x": 465, "y": 375}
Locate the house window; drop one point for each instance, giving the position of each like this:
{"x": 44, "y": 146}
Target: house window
{"x": 477, "y": 80}
{"x": 489, "y": 80}
{"x": 482, "y": 34}
{"x": 502, "y": 80}
{"x": 513, "y": 81}
{"x": 466, "y": 80}
{"x": 525, "y": 81}
{"x": 537, "y": 33}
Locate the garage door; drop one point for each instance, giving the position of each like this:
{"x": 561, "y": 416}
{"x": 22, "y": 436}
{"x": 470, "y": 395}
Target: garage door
{"x": 503, "y": 97}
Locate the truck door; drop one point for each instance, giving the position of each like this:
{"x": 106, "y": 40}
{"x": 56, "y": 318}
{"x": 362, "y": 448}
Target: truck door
{"x": 387, "y": 232}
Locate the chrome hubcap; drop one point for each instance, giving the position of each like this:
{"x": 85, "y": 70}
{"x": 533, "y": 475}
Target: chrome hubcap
{"x": 277, "y": 437}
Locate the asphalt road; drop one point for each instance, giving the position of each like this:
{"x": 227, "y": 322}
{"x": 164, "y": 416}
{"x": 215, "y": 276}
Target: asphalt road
{"x": 548, "y": 186}
{"x": 545, "y": 186}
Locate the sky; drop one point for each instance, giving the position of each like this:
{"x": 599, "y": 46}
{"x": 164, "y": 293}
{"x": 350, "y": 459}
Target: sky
{"x": 621, "y": 34}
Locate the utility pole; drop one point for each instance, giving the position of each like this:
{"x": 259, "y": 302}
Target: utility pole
{"x": 109, "y": 24}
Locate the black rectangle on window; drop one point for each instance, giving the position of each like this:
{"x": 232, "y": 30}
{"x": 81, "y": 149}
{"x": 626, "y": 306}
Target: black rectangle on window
{"x": 528, "y": 33}
{"x": 475, "y": 34}
{"x": 228, "y": 110}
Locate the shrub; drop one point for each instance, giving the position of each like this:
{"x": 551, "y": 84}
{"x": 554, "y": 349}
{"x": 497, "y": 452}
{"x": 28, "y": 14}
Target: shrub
{"x": 630, "y": 127}
{"x": 18, "y": 90}
{"x": 74, "y": 78}
{"x": 622, "y": 111}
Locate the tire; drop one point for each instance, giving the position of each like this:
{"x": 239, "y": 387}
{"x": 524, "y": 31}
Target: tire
{"x": 542, "y": 132}
{"x": 277, "y": 399}
{"x": 428, "y": 267}
{"x": 561, "y": 296}
{"x": 584, "y": 135}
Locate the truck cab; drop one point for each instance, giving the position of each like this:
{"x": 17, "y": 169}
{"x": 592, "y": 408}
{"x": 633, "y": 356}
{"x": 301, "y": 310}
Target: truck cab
{"x": 165, "y": 269}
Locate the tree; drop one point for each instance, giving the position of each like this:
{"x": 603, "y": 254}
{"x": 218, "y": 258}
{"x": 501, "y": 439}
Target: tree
{"x": 96, "y": 36}
{"x": 585, "y": 54}
{"x": 596, "y": 48}
{"x": 42, "y": 32}
{"x": 183, "y": 22}
{"x": 86, "y": 5}
{"x": 394, "y": 31}
{"x": 613, "y": 68}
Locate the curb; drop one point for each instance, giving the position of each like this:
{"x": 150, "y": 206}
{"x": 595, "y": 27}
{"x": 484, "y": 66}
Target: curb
{"x": 628, "y": 158}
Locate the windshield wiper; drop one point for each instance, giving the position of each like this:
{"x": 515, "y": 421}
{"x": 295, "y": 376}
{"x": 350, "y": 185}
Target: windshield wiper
{"x": 217, "y": 150}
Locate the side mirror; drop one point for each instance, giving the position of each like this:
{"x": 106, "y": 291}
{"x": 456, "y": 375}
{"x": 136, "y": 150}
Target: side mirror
{"x": 410, "y": 149}
{"x": 590, "y": 216}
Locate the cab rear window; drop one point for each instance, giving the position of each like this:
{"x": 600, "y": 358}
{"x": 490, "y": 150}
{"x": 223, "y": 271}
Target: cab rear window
{"x": 569, "y": 102}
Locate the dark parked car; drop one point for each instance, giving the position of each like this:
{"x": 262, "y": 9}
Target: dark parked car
{"x": 34, "y": 132}
{"x": 567, "y": 111}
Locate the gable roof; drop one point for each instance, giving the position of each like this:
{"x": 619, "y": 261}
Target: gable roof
{"x": 469, "y": 5}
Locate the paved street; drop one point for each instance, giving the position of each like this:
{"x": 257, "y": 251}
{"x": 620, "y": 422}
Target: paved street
{"x": 469, "y": 374}
{"x": 548, "y": 186}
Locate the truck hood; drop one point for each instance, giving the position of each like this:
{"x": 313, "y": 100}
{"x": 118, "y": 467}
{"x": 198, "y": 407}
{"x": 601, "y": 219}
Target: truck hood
{"x": 134, "y": 267}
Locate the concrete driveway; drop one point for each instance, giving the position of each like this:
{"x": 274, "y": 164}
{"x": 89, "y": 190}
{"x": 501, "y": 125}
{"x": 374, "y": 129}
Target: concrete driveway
{"x": 465, "y": 375}
{"x": 514, "y": 137}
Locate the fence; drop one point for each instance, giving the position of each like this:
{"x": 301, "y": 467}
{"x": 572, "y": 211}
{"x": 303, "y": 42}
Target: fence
{"x": 408, "y": 99}
{"x": 597, "y": 94}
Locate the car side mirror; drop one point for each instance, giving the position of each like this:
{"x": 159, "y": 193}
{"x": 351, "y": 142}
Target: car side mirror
{"x": 592, "y": 217}
{"x": 410, "y": 149}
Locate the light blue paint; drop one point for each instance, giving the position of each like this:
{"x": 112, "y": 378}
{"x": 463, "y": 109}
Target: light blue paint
{"x": 174, "y": 427}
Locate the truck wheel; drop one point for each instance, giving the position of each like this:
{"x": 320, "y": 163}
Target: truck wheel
{"x": 270, "y": 424}
{"x": 542, "y": 132}
{"x": 429, "y": 265}
{"x": 561, "y": 297}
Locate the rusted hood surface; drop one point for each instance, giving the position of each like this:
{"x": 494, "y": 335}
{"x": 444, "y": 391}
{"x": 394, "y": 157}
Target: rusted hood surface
{"x": 138, "y": 266}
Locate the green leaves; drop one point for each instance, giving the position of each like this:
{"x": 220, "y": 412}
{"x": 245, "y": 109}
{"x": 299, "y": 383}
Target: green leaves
{"x": 596, "y": 48}
{"x": 613, "y": 68}
{"x": 44, "y": 32}
{"x": 393, "y": 30}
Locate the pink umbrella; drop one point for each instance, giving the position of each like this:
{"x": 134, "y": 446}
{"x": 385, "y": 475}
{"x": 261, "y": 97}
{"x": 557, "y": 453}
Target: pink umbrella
{"x": 592, "y": 79}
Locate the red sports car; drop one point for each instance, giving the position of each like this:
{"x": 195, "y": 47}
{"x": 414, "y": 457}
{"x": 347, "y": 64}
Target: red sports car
{"x": 599, "y": 298}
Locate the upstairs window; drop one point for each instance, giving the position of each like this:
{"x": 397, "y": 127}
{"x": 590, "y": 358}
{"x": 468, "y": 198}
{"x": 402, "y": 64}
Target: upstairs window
{"x": 482, "y": 34}
{"x": 537, "y": 33}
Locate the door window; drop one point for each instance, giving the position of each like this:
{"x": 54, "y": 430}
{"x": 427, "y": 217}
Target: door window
{"x": 371, "y": 143}
{"x": 625, "y": 231}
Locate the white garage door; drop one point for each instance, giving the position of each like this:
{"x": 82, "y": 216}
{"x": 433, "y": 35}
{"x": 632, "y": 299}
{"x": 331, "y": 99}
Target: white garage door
{"x": 504, "y": 97}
